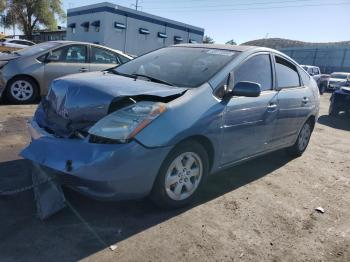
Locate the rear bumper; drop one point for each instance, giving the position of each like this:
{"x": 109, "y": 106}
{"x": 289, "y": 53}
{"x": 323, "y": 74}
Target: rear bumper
{"x": 101, "y": 171}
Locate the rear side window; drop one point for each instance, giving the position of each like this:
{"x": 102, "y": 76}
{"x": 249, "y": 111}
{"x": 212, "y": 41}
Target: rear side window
{"x": 286, "y": 73}
{"x": 256, "y": 69}
{"x": 103, "y": 56}
{"x": 123, "y": 59}
{"x": 316, "y": 71}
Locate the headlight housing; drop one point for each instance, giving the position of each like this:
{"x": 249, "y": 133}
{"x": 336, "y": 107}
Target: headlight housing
{"x": 124, "y": 124}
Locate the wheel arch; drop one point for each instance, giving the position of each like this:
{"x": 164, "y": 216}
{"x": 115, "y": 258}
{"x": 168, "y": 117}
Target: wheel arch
{"x": 206, "y": 143}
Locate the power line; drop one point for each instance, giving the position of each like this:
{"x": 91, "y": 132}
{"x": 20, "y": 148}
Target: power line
{"x": 232, "y": 3}
{"x": 183, "y": 9}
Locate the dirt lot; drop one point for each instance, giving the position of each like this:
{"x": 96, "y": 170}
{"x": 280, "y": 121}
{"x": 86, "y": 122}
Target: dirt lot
{"x": 259, "y": 211}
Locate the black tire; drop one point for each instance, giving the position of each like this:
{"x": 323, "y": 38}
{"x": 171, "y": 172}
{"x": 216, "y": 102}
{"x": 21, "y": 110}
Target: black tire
{"x": 322, "y": 89}
{"x": 299, "y": 146}
{"x": 333, "y": 109}
{"x": 159, "y": 193}
{"x": 28, "y": 84}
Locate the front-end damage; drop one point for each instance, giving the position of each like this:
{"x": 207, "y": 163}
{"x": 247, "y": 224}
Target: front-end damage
{"x": 73, "y": 104}
{"x": 62, "y": 144}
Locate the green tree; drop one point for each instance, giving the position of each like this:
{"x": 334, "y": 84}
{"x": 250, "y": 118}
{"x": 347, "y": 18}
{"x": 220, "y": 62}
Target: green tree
{"x": 208, "y": 40}
{"x": 231, "y": 42}
{"x": 30, "y": 14}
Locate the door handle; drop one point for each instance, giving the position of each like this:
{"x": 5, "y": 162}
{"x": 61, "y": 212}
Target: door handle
{"x": 305, "y": 100}
{"x": 272, "y": 106}
{"x": 83, "y": 69}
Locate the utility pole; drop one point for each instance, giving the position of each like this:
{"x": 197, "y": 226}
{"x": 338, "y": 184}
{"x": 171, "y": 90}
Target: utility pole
{"x": 137, "y": 5}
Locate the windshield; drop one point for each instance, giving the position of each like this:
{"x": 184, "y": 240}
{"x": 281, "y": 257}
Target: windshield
{"x": 341, "y": 76}
{"x": 36, "y": 49}
{"x": 179, "y": 66}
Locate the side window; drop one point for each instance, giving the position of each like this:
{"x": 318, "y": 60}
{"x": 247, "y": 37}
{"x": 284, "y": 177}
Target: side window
{"x": 103, "y": 56}
{"x": 286, "y": 73}
{"x": 71, "y": 54}
{"x": 256, "y": 69}
{"x": 316, "y": 71}
{"x": 123, "y": 59}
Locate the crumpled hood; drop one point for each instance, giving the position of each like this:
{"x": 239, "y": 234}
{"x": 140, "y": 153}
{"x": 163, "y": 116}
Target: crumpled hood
{"x": 86, "y": 98}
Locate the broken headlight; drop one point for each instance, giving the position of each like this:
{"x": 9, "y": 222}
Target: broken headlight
{"x": 125, "y": 123}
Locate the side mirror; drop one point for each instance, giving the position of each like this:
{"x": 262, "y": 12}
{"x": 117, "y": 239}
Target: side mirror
{"x": 229, "y": 84}
{"x": 248, "y": 89}
{"x": 52, "y": 58}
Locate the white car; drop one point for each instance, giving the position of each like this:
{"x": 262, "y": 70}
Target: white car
{"x": 8, "y": 44}
{"x": 338, "y": 79}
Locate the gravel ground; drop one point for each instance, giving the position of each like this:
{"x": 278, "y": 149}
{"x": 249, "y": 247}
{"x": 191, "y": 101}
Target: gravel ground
{"x": 262, "y": 210}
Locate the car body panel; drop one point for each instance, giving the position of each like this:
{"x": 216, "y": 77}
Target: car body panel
{"x": 341, "y": 99}
{"x": 120, "y": 175}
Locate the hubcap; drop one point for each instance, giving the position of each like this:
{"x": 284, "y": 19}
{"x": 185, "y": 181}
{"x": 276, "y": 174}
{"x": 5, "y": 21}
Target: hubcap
{"x": 304, "y": 137}
{"x": 21, "y": 90}
{"x": 183, "y": 176}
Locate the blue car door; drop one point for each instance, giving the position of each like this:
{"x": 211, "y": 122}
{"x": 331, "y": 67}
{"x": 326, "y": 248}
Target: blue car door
{"x": 248, "y": 121}
{"x": 294, "y": 102}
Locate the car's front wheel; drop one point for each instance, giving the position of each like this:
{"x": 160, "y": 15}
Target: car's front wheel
{"x": 181, "y": 175}
{"x": 22, "y": 90}
{"x": 302, "y": 141}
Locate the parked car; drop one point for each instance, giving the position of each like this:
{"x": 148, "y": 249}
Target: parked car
{"x": 8, "y": 44}
{"x": 161, "y": 123}
{"x": 26, "y": 74}
{"x": 315, "y": 72}
{"x": 338, "y": 79}
{"x": 340, "y": 101}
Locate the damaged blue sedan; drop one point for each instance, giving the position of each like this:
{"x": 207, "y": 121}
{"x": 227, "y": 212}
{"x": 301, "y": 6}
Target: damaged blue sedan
{"x": 161, "y": 123}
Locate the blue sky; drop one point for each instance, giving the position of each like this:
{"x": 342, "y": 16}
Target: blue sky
{"x": 244, "y": 20}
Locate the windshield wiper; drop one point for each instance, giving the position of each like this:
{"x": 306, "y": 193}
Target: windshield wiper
{"x": 153, "y": 79}
{"x": 111, "y": 70}
{"x": 16, "y": 53}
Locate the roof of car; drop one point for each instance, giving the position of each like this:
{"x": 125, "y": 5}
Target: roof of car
{"x": 81, "y": 42}
{"x": 239, "y": 48}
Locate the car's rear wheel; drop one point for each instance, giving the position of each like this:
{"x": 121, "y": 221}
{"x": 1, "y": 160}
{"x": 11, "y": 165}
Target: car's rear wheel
{"x": 22, "y": 90}
{"x": 181, "y": 175}
{"x": 302, "y": 141}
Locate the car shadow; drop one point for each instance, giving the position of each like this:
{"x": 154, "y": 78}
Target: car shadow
{"x": 340, "y": 122}
{"x": 88, "y": 226}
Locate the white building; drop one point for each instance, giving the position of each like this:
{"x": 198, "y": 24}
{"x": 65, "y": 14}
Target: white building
{"x": 128, "y": 30}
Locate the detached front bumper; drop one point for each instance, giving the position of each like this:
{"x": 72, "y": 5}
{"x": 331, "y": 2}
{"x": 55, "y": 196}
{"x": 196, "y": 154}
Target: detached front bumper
{"x": 101, "y": 171}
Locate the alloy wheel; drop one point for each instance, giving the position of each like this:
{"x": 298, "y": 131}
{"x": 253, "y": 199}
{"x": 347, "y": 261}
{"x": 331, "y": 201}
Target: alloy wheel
{"x": 183, "y": 176}
{"x": 304, "y": 137}
{"x": 21, "y": 90}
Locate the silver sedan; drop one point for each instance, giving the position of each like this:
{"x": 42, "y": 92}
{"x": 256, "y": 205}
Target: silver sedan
{"x": 26, "y": 74}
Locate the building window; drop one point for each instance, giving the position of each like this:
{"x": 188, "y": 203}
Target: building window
{"x": 96, "y": 24}
{"x": 162, "y": 35}
{"x": 119, "y": 25}
{"x": 178, "y": 39}
{"x": 72, "y": 27}
{"x": 144, "y": 31}
{"x": 86, "y": 26}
